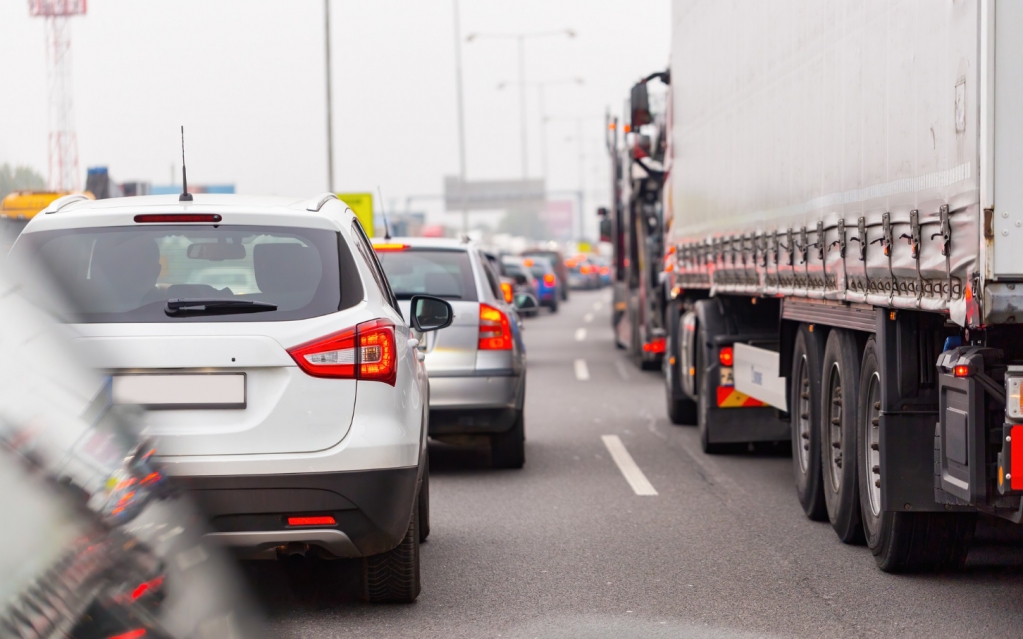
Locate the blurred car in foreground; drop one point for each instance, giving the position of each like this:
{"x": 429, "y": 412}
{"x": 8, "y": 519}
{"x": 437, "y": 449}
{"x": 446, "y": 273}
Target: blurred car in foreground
{"x": 546, "y": 281}
{"x": 557, "y": 260}
{"x": 477, "y": 367}
{"x": 291, "y": 403}
{"x": 96, "y": 542}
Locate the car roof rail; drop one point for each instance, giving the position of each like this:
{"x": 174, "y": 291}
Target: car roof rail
{"x": 63, "y": 201}
{"x": 317, "y": 202}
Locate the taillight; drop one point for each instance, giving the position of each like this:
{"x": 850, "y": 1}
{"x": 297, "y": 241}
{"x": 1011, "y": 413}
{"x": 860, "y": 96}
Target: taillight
{"x": 656, "y": 346}
{"x": 336, "y": 355}
{"x": 725, "y": 356}
{"x": 604, "y": 270}
{"x": 495, "y": 331}
{"x": 507, "y": 291}
{"x": 548, "y": 279}
{"x": 585, "y": 269}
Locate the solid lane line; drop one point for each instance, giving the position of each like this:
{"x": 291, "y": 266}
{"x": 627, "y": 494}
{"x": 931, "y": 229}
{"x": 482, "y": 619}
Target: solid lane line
{"x": 582, "y": 371}
{"x": 580, "y": 334}
{"x": 640, "y": 484}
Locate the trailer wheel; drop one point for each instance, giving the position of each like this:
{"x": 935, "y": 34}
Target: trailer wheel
{"x": 900, "y": 541}
{"x": 805, "y": 400}
{"x": 839, "y": 399}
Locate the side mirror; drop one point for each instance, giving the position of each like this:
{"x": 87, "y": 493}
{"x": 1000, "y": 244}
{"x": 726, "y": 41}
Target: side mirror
{"x": 639, "y": 103}
{"x": 430, "y": 313}
{"x": 526, "y": 301}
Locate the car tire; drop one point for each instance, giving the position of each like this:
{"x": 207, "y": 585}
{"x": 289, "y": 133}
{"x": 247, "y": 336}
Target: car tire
{"x": 805, "y": 398}
{"x": 900, "y": 541}
{"x": 554, "y": 306}
{"x": 840, "y": 382}
{"x": 508, "y": 449}
{"x": 424, "y": 501}
{"x": 393, "y": 576}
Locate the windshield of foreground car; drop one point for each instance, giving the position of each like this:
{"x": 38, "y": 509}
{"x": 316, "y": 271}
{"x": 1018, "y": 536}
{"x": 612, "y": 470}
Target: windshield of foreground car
{"x": 444, "y": 273}
{"x": 129, "y": 274}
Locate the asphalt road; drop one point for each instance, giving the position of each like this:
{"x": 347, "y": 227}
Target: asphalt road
{"x": 567, "y": 548}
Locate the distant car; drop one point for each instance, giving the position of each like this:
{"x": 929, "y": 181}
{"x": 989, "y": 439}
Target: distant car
{"x": 290, "y": 401}
{"x": 582, "y": 273}
{"x": 603, "y": 266}
{"x": 546, "y": 279}
{"x": 524, "y": 282}
{"x": 560, "y": 270}
{"x": 477, "y": 367}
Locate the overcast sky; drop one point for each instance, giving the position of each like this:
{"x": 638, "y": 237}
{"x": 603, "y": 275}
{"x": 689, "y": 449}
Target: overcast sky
{"x": 246, "y": 78}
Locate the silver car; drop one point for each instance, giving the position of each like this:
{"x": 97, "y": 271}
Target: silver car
{"x": 477, "y": 366}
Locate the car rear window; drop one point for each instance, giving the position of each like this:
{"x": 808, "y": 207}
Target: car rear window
{"x": 444, "y": 273}
{"x": 128, "y": 274}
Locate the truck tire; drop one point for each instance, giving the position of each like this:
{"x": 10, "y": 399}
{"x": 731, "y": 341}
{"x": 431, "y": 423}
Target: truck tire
{"x": 900, "y": 541}
{"x": 424, "y": 502}
{"x": 805, "y": 400}
{"x": 393, "y": 576}
{"x": 508, "y": 449}
{"x": 839, "y": 398}
{"x": 681, "y": 409}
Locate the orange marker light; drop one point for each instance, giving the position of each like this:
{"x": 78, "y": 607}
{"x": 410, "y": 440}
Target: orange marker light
{"x": 726, "y": 356}
{"x": 527, "y": 262}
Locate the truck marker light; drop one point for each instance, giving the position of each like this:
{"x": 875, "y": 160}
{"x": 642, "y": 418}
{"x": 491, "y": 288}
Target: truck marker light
{"x": 655, "y": 346}
{"x": 961, "y": 371}
{"x": 321, "y": 520}
{"x": 726, "y": 356}
{"x": 1015, "y": 459}
{"x": 692, "y": 371}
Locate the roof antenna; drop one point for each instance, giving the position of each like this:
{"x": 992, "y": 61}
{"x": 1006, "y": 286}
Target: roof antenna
{"x": 185, "y": 195}
{"x": 383, "y": 212}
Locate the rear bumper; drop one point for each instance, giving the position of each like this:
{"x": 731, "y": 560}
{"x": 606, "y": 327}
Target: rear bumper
{"x": 477, "y": 391}
{"x": 371, "y": 507}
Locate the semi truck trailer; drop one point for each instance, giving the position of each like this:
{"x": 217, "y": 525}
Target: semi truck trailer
{"x": 842, "y": 261}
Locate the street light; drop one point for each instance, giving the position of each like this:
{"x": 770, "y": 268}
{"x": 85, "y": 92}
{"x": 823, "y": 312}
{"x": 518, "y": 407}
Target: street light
{"x": 520, "y": 38}
{"x": 543, "y": 116}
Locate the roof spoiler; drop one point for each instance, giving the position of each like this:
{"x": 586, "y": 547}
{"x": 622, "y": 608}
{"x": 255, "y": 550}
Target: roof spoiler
{"x": 61, "y": 202}
{"x": 317, "y": 202}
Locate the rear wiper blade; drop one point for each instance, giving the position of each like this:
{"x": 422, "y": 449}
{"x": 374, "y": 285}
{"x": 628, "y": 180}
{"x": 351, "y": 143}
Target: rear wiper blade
{"x": 215, "y": 305}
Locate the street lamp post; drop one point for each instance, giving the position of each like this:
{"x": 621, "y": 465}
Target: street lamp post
{"x": 461, "y": 119}
{"x": 520, "y": 39}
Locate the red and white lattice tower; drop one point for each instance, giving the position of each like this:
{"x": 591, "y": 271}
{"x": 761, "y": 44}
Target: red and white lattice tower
{"x": 63, "y": 146}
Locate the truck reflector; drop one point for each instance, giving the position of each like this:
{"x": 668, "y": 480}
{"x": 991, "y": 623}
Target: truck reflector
{"x": 728, "y": 397}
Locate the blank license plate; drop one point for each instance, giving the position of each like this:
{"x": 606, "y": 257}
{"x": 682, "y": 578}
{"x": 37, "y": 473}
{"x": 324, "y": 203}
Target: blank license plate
{"x": 163, "y": 392}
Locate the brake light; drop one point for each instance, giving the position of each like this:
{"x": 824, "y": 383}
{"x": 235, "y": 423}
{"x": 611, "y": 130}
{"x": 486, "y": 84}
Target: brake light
{"x": 726, "y": 356}
{"x": 604, "y": 270}
{"x": 585, "y": 269}
{"x": 570, "y": 263}
{"x": 527, "y": 262}
{"x": 548, "y": 279}
{"x": 656, "y": 346}
{"x": 174, "y": 218}
{"x": 495, "y": 331}
{"x": 336, "y": 355}
{"x": 383, "y": 248}
{"x": 322, "y": 520}
{"x": 507, "y": 291}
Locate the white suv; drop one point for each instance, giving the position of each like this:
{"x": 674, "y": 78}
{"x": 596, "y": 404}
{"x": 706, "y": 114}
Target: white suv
{"x": 284, "y": 387}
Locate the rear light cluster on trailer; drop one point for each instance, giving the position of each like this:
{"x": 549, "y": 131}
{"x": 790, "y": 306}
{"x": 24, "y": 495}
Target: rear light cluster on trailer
{"x": 548, "y": 279}
{"x": 656, "y": 345}
{"x": 336, "y": 355}
{"x": 495, "y": 330}
{"x": 726, "y": 356}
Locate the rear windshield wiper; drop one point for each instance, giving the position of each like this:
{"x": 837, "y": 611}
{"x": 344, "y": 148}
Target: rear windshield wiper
{"x": 215, "y": 306}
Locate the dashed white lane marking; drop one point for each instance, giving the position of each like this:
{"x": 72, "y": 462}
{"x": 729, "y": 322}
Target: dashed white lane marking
{"x": 596, "y": 306}
{"x": 582, "y": 371}
{"x": 580, "y": 334}
{"x": 620, "y": 367}
{"x": 640, "y": 484}
{"x": 588, "y": 318}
